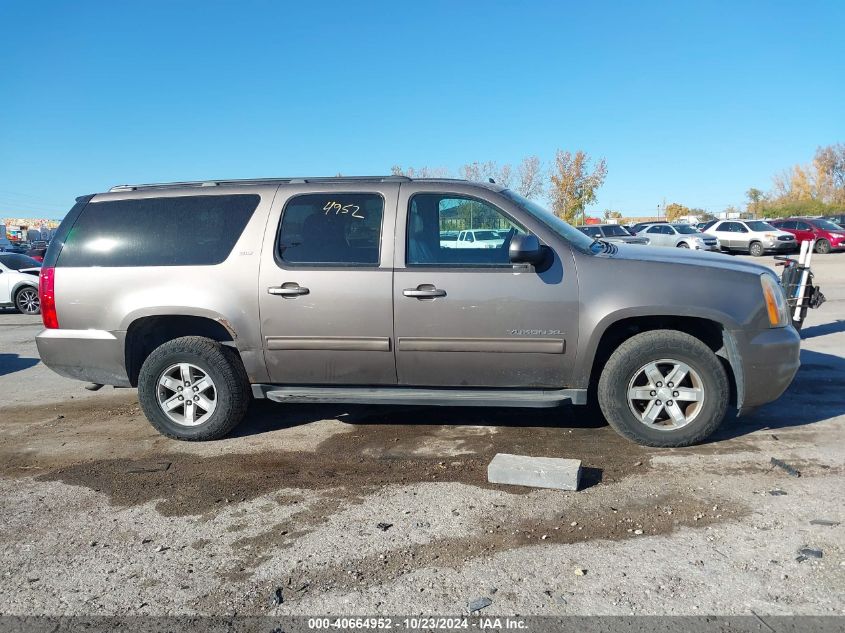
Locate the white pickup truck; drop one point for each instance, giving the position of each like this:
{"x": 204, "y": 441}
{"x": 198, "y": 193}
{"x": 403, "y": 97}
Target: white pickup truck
{"x": 480, "y": 238}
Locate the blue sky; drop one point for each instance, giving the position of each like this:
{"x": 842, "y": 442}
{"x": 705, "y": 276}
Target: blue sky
{"x": 693, "y": 102}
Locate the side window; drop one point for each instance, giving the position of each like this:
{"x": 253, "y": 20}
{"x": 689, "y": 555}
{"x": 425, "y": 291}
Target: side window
{"x": 787, "y": 224}
{"x": 486, "y": 231}
{"x": 666, "y": 230}
{"x": 803, "y": 226}
{"x": 168, "y": 231}
{"x": 740, "y": 228}
{"x": 331, "y": 228}
{"x": 653, "y": 229}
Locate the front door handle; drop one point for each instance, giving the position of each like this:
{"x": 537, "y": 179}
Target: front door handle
{"x": 424, "y": 291}
{"x": 289, "y": 289}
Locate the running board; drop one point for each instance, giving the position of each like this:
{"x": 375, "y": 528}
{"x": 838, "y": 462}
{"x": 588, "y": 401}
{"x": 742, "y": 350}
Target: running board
{"x": 535, "y": 398}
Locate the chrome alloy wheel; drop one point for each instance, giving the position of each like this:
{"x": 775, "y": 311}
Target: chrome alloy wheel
{"x": 186, "y": 394}
{"x": 666, "y": 394}
{"x": 27, "y": 301}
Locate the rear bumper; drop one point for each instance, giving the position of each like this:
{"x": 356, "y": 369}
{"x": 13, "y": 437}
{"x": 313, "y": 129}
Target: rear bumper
{"x": 89, "y": 355}
{"x": 768, "y": 361}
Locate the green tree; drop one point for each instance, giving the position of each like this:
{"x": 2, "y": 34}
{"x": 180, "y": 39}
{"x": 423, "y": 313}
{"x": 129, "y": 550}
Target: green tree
{"x": 755, "y": 198}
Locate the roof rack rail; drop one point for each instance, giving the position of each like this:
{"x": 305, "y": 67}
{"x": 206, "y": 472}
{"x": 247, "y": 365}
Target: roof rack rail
{"x": 259, "y": 181}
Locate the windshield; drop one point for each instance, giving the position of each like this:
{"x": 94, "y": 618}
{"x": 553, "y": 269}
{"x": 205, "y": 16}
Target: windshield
{"x": 758, "y": 225}
{"x": 541, "y": 214}
{"x": 614, "y": 230}
{"x": 18, "y": 262}
{"x": 685, "y": 229}
{"x": 827, "y": 225}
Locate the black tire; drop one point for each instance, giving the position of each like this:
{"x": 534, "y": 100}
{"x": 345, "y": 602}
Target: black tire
{"x": 756, "y": 249}
{"x": 220, "y": 363}
{"x": 683, "y": 245}
{"x": 822, "y": 247}
{"x": 27, "y": 301}
{"x": 647, "y": 347}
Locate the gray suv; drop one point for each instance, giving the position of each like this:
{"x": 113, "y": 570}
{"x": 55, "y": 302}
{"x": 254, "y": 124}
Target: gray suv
{"x": 207, "y": 294}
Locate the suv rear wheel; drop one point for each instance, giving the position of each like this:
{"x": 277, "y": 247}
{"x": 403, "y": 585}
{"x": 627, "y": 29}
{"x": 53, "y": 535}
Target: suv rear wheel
{"x": 193, "y": 388}
{"x": 664, "y": 388}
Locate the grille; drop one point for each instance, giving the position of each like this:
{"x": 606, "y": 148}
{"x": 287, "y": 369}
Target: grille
{"x": 786, "y": 238}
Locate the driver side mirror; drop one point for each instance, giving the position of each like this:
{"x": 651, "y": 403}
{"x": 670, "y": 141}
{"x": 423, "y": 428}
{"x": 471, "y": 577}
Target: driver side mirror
{"x": 525, "y": 249}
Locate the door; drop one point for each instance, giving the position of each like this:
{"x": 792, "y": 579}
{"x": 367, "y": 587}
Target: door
{"x": 467, "y": 317}
{"x": 325, "y": 290}
{"x": 731, "y": 236}
{"x": 804, "y": 232}
{"x": 659, "y": 235}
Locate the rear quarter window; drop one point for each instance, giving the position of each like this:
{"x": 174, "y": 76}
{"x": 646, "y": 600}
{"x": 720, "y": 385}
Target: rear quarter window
{"x": 172, "y": 231}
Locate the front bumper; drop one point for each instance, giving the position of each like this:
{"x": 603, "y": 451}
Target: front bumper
{"x": 90, "y": 355}
{"x": 764, "y": 362}
{"x": 781, "y": 247}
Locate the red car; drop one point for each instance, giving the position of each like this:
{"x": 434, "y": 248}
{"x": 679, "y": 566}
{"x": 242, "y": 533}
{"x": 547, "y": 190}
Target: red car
{"x": 828, "y": 236}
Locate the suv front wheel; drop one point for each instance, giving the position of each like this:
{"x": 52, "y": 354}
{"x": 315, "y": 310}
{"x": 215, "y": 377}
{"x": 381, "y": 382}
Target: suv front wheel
{"x": 664, "y": 388}
{"x": 193, "y": 388}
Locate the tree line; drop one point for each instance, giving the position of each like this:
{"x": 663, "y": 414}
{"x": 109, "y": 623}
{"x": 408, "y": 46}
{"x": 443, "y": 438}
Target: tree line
{"x": 570, "y": 182}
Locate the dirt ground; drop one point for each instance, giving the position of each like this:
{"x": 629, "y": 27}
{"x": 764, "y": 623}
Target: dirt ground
{"x": 362, "y": 510}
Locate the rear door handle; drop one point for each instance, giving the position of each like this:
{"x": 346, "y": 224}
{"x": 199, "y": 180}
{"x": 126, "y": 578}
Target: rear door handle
{"x": 289, "y": 289}
{"x": 424, "y": 291}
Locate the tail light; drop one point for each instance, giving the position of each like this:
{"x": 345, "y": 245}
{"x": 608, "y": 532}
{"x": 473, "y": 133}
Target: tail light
{"x": 46, "y": 290}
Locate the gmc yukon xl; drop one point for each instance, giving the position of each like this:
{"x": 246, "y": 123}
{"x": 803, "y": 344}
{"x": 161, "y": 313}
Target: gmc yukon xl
{"x": 204, "y": 295}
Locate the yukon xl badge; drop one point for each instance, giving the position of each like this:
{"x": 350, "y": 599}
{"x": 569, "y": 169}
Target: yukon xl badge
{"x": 534, "y": 332}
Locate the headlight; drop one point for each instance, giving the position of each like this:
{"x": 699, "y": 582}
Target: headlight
{"x": 776, "y": 306}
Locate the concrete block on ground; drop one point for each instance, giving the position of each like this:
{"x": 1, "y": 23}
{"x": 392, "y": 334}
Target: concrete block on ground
{"x": 538, "y": 472}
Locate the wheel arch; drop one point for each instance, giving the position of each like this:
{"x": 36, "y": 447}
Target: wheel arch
{"x": 146, "y": 333}
{"x": 714, "y": 330}
{"x": 20, "y": 285}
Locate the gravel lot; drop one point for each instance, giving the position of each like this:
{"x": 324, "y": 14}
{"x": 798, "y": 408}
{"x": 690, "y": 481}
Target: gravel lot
{"x": 101, "y": 515}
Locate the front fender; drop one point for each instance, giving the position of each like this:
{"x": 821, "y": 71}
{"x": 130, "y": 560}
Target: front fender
{"x": 592, "y": 332}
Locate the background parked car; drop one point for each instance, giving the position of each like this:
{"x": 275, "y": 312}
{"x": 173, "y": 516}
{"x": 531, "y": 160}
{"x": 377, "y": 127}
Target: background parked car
{"x": 837, "y": 219}
{"x": 639, "y": 226}
{"x": 679, "y": 236}
{"x": 611, "y": 233}
{"x": 13, "y": 248}
{"x": 19, "y": 283}
{"x": 755, "y": 237}
{"x": 37, "y": 253}
{"x": 828, "y": 236}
